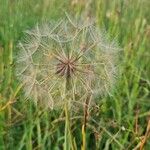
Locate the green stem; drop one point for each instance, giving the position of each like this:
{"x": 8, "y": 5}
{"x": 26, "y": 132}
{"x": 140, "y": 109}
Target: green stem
{"x": 67, "y": 143}
{"x": 68, "y": 136}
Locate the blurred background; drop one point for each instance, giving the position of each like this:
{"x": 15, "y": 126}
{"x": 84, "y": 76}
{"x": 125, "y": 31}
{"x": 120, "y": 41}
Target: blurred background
{"x": 121, "y": 122}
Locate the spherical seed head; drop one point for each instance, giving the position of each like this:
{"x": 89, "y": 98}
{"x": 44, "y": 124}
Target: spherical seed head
{"x": 55, "y": 52}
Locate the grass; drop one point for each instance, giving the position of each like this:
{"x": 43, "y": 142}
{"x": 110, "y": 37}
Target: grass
{"x": 121, "y": 121}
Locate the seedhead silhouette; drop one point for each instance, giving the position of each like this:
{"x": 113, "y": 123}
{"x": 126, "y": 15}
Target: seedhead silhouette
{"x": 54, "y": 53}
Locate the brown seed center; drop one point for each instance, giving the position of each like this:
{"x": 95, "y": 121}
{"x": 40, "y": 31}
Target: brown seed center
{"x": 66, "y": 68}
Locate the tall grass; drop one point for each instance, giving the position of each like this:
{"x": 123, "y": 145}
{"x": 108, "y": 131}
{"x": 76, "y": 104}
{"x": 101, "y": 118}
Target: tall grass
{"x": 120, "y": 121}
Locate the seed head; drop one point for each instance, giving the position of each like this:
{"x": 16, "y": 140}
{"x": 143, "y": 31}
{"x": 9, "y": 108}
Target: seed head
{"x": 53, "y": 53}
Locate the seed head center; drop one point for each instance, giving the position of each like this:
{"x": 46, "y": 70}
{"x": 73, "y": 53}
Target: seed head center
{"x": 66, "y": 67}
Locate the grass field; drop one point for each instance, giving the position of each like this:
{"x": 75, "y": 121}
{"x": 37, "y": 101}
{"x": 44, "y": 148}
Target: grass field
{"x": 122, "y": 120}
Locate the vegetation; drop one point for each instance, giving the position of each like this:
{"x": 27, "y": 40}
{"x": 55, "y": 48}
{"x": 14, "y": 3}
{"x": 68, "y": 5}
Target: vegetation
{"x": 120, "y": 121}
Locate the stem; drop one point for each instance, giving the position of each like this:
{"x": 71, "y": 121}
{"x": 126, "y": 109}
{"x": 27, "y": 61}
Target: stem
{"x": 66, "y": 144}
{"x": 83, "y": 138}
{"x": 85, "y": 122}
{"x": 86, "y": 109}
{"x": 68, "y": 137}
